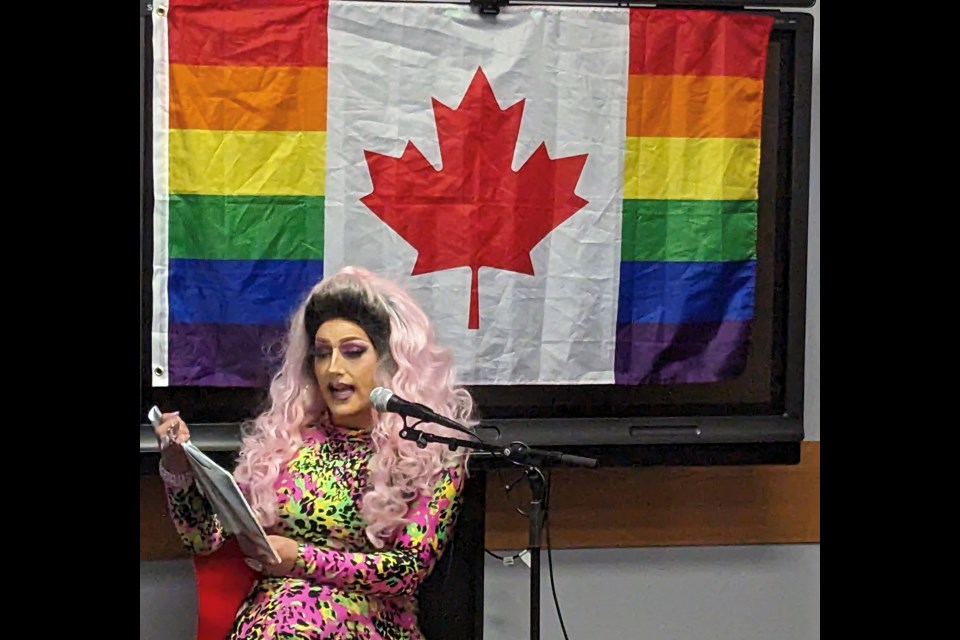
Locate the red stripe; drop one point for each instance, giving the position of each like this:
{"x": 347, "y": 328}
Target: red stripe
{"x": 267, "y": 33}
{"x": 698, "y": 43}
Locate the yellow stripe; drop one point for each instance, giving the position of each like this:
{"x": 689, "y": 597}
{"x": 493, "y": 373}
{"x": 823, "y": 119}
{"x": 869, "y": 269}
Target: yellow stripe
{"x": 247, "y": 162}
{"x": 691, "y": 168}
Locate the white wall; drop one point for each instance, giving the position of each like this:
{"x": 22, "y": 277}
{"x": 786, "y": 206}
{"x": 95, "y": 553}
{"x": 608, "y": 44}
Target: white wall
{"x": 168, "y": 600}
{"x": 757, "y": 592}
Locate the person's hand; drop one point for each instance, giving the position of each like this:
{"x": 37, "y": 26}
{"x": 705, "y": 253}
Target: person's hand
{"x": 171, "y": 433}
{"x": 288, "y": 550}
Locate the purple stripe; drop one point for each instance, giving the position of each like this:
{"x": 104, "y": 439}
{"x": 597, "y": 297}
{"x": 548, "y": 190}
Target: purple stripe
{"x": 681, "y": 353}
{"x": 224, "y": 355}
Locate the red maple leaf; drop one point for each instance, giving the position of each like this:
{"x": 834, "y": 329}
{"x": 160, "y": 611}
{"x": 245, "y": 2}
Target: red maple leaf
{"x": 475, "y": 211}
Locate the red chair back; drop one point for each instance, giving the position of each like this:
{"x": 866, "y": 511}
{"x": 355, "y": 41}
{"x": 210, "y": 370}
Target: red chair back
{"x": 223, "y": 582}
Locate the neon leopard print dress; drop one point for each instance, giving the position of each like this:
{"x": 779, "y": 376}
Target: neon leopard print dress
{"x": 341, "y": 587}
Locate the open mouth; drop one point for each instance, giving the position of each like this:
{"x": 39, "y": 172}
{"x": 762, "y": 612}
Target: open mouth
{"x": 340, "y": 392}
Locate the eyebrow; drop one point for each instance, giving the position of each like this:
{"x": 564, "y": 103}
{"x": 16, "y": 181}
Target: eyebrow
{"x": 346, "y": 339}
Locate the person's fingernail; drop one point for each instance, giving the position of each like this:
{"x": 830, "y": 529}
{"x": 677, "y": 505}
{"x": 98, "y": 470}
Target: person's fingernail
{"x": 176, "y": 413}
{"x": 253, "y": 564}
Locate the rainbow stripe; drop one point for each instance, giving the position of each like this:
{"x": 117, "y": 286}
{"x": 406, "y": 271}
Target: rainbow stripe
{"x": 691, "y": 172}
{"x": 246, "y": 152}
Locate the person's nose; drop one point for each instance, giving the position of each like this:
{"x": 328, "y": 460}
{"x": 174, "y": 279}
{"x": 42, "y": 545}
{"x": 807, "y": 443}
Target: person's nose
{"x": 336, "y": 363}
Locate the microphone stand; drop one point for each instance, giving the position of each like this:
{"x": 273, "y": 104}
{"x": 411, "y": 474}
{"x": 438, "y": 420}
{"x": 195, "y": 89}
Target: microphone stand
{"x": 530, "y": 459}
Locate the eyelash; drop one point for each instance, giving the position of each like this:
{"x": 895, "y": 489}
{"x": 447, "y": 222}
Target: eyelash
{"x": 351, "y": 354}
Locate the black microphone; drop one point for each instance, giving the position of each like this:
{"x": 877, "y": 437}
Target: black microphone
{"x": 386, "y": 401}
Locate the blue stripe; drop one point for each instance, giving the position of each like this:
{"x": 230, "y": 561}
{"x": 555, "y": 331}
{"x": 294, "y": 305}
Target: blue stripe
{"x": 239, "y": 291}
{"x": 678, "y": 292}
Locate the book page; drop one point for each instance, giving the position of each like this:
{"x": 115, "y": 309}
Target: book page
{"x": 228, "y": 502}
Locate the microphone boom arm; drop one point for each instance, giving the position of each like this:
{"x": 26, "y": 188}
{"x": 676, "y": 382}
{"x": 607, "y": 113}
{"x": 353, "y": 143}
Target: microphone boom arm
{"x": 517, "y": 451}
{"x": 424, "y": 437}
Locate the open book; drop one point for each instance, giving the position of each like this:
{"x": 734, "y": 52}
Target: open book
{"x": 228, "y": 502}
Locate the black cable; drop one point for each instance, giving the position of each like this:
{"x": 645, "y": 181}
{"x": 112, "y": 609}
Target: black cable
{"x": 546, "y": 523}
{"x": 460, "y": 429}
{"x": 553, "y": 583}
{"x": 507, "y": 488}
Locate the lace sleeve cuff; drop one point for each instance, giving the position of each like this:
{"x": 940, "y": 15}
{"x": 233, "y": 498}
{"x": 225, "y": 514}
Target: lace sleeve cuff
{"x": 175, "y": 480}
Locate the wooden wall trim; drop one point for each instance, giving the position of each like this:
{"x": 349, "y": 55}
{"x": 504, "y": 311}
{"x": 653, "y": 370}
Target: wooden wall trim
{"x": 158, "y": 538}
{"x": 659, "y": 506}
{"x": 618, "y": 507}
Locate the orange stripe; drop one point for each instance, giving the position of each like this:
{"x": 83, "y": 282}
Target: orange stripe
{"x": 248, "y": 98}
{"x": 694, "y": 106}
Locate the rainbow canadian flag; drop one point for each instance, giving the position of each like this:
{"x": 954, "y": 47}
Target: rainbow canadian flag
{"x": 570, "y": 192}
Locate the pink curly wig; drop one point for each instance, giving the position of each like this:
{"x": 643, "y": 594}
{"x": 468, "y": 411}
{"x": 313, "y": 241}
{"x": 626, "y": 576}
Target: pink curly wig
{"x": 416, "y": 368}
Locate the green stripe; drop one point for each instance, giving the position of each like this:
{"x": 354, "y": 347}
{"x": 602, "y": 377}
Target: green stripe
{"x": 689, "y": 230}
{"x": 246, "y": 227}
